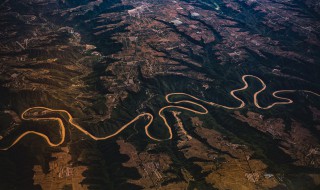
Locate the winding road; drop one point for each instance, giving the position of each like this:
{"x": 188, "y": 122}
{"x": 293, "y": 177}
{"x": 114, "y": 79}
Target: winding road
{"x": 201, "y": 110}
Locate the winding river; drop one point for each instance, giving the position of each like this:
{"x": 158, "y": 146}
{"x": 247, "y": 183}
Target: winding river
{"x": 174, "y": 104}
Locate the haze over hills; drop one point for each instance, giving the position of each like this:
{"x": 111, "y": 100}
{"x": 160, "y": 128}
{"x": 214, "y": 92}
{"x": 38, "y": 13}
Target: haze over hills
{"x": 159, "y": 94}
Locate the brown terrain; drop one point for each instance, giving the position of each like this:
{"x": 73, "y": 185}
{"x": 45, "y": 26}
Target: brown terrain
{"x": 107, "y": 61}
